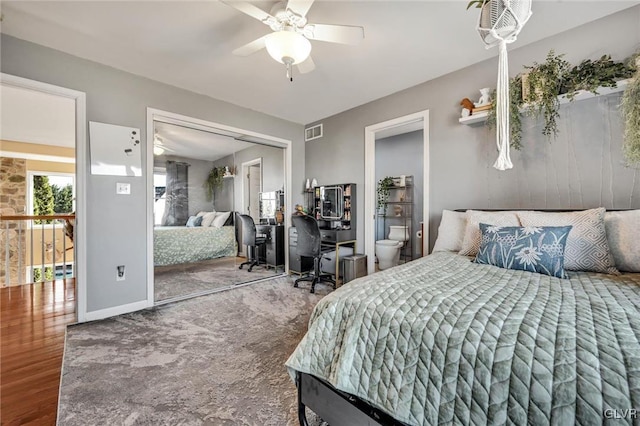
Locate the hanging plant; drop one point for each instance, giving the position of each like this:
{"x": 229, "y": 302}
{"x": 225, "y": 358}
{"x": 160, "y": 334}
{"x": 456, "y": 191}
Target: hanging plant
{"x": 213, "y": 181}
{"x": 541, "y": 88}
{"x": 515, "y": 121}
{"x": 477, "y": 4}
{"x": 631, "y": 116}
{"x": 384, "y": 186}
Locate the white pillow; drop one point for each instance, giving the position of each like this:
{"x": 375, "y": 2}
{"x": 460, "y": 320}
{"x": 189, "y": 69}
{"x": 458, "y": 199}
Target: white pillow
{"x": 451, "y": 231}
{"x": 587, "y": 248}
{"x": 203, "y": 213}
{"x": 221, "y": 218}
{"x": 623, "y": 235}
{"x": 208, "y": 218}
{"x": 472, "y": 235}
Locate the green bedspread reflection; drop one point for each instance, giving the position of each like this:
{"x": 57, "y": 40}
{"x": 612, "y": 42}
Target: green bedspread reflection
{"x": 173, "y": 245}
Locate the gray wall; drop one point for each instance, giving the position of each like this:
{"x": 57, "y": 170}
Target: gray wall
{"x": 198, "y": 172}
{"x": 402, "y": 155}
{"x": 582, "y": 168}
{"x": 116, "y": 225}
{"x": 272, "y": 174}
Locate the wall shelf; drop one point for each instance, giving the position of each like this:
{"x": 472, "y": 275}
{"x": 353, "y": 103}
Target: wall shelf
{"x": 580, "y": 95}
{"x": 479, "y": 117}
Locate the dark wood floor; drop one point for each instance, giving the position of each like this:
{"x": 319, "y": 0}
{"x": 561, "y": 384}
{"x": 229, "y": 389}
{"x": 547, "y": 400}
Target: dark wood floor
{"x": 33, "y": 319}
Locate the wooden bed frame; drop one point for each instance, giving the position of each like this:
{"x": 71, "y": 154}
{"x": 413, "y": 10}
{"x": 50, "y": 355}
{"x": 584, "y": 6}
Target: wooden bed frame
{"x": 342, "y": 409}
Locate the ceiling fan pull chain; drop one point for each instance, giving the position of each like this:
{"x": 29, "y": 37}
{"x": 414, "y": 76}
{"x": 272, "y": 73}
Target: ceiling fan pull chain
{"x": 289, "y": 71}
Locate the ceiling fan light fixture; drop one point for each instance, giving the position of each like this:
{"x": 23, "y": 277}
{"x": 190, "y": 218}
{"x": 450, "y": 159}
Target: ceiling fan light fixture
{"x": 288, "y": 47}
{"x": 158, "y": 150}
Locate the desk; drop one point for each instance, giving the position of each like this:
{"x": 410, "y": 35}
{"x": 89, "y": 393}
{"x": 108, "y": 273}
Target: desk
{"x": 336, "y": 246}
{"x": 272, "y": 253}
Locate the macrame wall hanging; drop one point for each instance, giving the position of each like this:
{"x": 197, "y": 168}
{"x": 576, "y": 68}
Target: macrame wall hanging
{"x": 500, "y": 23}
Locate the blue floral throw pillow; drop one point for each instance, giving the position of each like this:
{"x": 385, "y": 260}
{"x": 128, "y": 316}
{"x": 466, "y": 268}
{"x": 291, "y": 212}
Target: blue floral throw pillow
{"x": 531, "y": 248}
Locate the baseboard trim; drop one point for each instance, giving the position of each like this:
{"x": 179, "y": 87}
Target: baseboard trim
{"x": 116, "y": 310}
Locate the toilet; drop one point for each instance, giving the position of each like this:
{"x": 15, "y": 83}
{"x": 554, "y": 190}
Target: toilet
{"x": 388, "y": 251}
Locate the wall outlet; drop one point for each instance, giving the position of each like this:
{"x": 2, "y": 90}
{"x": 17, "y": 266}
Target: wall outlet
{"x": 120, "y": 273}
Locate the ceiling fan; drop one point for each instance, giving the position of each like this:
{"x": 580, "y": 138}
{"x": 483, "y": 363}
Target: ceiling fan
{"x": 159, "y": 145}
{"x": 289, "y": 42}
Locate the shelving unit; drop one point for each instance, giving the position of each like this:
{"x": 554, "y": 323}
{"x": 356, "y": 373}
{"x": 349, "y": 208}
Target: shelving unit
{"x": 334, "y": 207}
{"x": 401, "y": 201}
{"x": 581, "y": 95}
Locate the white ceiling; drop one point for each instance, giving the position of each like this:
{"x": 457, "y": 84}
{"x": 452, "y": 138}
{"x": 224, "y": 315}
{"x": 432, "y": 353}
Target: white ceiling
{"x": 189, "y": 43}
{"x": 198, "y": 144}
{"x": 36, "y": 117}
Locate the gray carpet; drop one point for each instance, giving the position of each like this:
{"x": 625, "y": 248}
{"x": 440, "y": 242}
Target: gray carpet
{"x": 213, "y": 360}
{"x": 190, "y": 278}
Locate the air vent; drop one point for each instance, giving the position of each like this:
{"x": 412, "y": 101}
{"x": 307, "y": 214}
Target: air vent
{"x": 311, "y": 133}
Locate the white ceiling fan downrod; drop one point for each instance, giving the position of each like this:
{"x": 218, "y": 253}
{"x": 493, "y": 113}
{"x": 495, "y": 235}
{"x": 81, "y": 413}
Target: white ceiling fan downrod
{"x": 499, "y": 24}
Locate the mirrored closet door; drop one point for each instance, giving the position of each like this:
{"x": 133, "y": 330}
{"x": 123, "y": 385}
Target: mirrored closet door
{"x": 218, "y": 211}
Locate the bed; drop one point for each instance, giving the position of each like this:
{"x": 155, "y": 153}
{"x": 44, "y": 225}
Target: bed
{"x": 446, "y": 340}
{"x": 174, "y": 245}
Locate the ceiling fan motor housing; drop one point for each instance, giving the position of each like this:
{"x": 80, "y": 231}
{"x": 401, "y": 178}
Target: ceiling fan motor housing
{"x": 285, "y": 18}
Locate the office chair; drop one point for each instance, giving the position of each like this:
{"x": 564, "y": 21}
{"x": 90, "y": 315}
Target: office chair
{"x": 251, "y": 240}
{"x": 309, "y": 245}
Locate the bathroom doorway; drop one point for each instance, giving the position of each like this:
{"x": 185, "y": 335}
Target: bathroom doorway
{"x": 397, "y": 150}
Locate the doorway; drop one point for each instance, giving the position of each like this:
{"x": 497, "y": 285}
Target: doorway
{"x": 408, "y": 123}
{"x": 251, "y": 187}
{"x": 50, "y": 152}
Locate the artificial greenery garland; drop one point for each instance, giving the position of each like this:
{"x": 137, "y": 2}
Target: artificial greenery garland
{"x": 537, "y": 93}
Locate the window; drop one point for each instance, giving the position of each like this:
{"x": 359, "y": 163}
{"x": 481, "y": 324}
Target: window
{"x": 160, "y": 189}
{"x": 51, "y": 193}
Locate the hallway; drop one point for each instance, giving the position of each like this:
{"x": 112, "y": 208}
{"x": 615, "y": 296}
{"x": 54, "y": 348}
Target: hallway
{"x": 33, "y": 322}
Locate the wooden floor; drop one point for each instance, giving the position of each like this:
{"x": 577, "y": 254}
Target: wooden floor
{"x": 32, "y": 324}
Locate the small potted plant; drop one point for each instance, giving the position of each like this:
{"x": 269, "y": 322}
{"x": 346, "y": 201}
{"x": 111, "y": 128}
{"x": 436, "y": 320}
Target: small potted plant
{"x": 384, "y": 186}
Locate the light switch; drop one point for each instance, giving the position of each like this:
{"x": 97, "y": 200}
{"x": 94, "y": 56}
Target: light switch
{"x": 123, "y": 188}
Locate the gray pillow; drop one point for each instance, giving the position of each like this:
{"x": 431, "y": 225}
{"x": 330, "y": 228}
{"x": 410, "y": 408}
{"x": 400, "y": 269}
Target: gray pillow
{"x": 587, "y": 247}
{"x": 451, "y": 231}
{"x": 623, "y": 235}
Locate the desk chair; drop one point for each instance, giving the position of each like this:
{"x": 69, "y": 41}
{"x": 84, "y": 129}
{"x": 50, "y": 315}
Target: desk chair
{"x": 251, "y": 240}
{"x": 309, "y": 245}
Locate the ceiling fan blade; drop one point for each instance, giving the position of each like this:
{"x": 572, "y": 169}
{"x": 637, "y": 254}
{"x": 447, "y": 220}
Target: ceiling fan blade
{"x": 249, "y": 9}
{"x": 251, "y": 47}
{"x": 300, "y": 7}
{"x": 344, "y": 34}
{"x": 306, "y": 66}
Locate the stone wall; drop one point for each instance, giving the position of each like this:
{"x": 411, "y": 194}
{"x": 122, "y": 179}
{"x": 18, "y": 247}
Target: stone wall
{"x": 13, "y": 201}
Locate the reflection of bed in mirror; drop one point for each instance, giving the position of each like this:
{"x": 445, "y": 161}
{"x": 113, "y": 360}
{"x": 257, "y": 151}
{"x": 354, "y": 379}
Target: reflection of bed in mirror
{"x": 174, "y": 245}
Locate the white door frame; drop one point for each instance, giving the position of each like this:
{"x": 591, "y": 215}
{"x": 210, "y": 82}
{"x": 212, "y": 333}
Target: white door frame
{"x": 245, "y": 170}
{"x": 80, "y": 226}
{"x": 370, "y": 180}
{"x": 154, "y": 114}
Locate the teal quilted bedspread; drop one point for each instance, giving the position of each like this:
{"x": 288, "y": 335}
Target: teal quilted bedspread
{"x": 174, "y": 245}
{"x": 442, "y": 340}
